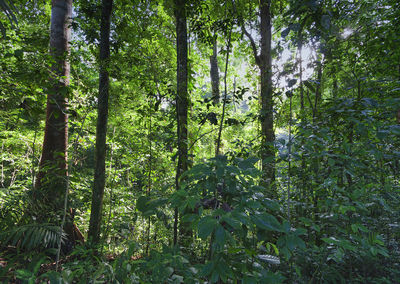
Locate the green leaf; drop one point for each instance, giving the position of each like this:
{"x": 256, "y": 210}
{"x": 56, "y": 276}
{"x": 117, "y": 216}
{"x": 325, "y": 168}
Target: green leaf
{"x": 220, "y": 236}
{"x": 271, "y": 204}
{"x": 266, "y": 221}
{"x": 207, "y": 269}
{"x": 373, "y": 251}
{"x": 189, "y": 218}
{"x": 24, "y": 274}
{"x": 248, "y": 163}
{"x": 294, "y": 241}
{"x": 206, "y": 226}
{"x": 231, "y": 222}
{"x": 214, "y": 277}
{"x": 142, "y": 203}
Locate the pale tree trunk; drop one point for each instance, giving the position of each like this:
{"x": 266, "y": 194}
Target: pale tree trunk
{"x": 51, "y": 181}
{"x": 182, "y": 97}
{"x": 102, "y": 118}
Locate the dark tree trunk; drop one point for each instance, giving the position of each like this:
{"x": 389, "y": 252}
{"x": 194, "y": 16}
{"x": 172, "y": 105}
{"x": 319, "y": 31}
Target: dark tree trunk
{"x": 264, "y": 62}
{"x": 302, "y": 120}
{"x": 182, "y": 97}
{"x": 102, "y": 117}
{"x": 266, "y": 116}
{"x": 214, "y": 73}
{"x": 318, "y": 90}
{"x": 225, "y": 94}
{"x": 398, "y": 111}
{"x": 301, "y": 78}
{"x": 51, "y": 181}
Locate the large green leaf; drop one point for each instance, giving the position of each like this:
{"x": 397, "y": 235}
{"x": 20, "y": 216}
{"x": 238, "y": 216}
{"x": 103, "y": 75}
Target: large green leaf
{"x": 267, "y": 222}
{"x": 206, "y": 226}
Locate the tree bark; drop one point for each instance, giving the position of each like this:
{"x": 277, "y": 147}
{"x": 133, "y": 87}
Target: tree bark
{"x": 51, "y": 180}
{"x": 266, "y": 116}
{"x": 221, "y": 124}
{"x": 182, "y": 97}
{"x": 318, "y": 90}
{"x": 214, "y": 73}
{"x": 264, "y": 62}
{"x": 398, "y": 111}
{"x": 102, "y": 117}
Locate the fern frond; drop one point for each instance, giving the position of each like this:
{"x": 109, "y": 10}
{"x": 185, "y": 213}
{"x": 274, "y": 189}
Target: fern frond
{"x": 32, "y": 236}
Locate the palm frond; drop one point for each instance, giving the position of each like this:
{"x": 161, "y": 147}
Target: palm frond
{"x": 32, "y": 236}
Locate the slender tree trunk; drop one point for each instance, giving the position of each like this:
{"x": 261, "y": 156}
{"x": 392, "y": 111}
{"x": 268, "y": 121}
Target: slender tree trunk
{"x": 214, "y": 73}
{"x": 335, "y": 83}
{"x": 52, "y": 176}
{"x": 225, "y": 94}
{"x": 101, "y": 130}
{"x": 302, "y": 121}
{"x": 182, "y": 97}
{"x": 318, "y": 90}
{"x": 301, "y": 79}
{"x": 267, "y": 116}
{"x": 398, "y": 111}
{"x": 149, "y": 183}
{"x": 316, "y": 160}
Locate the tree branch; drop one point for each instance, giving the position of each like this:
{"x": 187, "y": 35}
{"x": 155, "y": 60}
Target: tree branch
{"x": 253, "y": 45}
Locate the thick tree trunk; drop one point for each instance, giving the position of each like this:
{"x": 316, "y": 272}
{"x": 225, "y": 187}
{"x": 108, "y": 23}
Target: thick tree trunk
{"x": 266, "y": 116}
{"x": 51, "y": 180}
{"x": 102, "y": 117}
{"x": 214, "y": 73}
{"x": 182, "y": 97}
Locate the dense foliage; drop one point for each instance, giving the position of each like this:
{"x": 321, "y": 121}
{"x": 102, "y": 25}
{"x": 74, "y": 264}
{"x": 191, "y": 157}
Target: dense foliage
{"x": 317, "y": 204}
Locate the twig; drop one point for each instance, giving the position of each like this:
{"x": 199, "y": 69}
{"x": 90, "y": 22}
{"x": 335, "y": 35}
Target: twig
{"x": 201, "y": 136}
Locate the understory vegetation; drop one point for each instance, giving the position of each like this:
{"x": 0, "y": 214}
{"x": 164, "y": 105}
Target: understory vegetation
{"x": 227, "y": 141}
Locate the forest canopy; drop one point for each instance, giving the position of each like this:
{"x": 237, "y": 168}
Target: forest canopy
{"x": 198, "y": 141}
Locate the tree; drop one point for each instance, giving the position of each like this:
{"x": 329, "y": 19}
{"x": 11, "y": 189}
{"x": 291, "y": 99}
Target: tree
{"x": 182, "y": 96}
{"x": 264, "y": 63}
{"x": 102, "y": 117}
{"x": 214, "y": 72}
{"x": 52, "y": 176}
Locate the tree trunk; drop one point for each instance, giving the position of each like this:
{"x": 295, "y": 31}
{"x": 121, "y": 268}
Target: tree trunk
{"x": 102, "y": 117}
{"x": 302, "y": 121}
{"x": 225, "y": 93}
{"x": 51, "y": 181}
{"x": 300, "y": 47}
{"x": 318, "y": 90}
{"x": 182, "y": 97}
{"x": 398, "y": 111}
{"x": 214, "y": 73}
{"x": 266, "y": 116}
